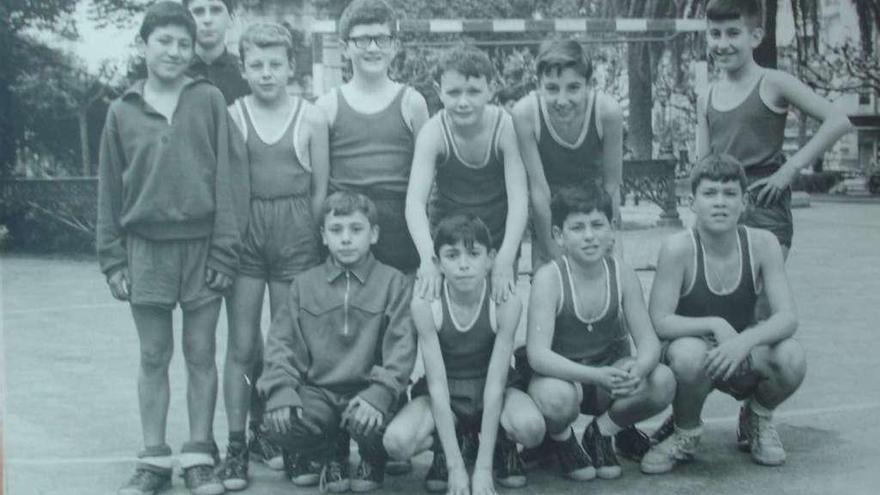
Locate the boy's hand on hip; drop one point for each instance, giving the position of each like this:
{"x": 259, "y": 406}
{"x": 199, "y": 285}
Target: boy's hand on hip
{"x": 361, "y": 418}
{"x": 481, "y": 482}
{"x": 217, "y": 280}
{"x": 119, "y": 284}
{"x": 458, "y": 481}
{"x": 428, "y": 279}
{"x": 770, "y": 189}
{"x": 503, "y": 282}
{"x": 723, "y": 361}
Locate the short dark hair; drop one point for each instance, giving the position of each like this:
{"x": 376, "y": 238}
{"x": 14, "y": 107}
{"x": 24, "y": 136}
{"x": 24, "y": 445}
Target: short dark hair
{"x": 718, "y": 167}
{"x": 585, "y": 198}
{"x": 230, "y": 4}
{"x": 167, "y": 13}
{"x": 361, "y": 12}
{"x": 347, "y": 203}
{"x": 467, "y": 60}
{"x": 556, "y": 55}
{"x": 752, "y": 11}
{"x": 264, "y": 35}
{"x": 461, "y": 227}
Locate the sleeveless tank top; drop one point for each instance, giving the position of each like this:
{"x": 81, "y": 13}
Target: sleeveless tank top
{"x": 737, "y": 306}
{"x": 479, "y": 189}
{"x": 275, "y": 168}
{"x": 466, "y": 347}
{"x": 570, "y": 163}
{"x": 370, "y": 151}
{"x": 589, "y": 341}
{"x": 750, "y": 132}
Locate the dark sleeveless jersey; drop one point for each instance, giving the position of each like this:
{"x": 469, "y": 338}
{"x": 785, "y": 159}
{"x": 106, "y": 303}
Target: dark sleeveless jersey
{"x": 737, "y": 306}
{"x": 466, "y": 346}
{"x": 570, "y": 163}
{"x": 478, "y": 188}
{"x": 582, "y": 340}
{"x": 275, "y": 169}
{"x": 751, "y": 132}
{"x": 370, "y": 153}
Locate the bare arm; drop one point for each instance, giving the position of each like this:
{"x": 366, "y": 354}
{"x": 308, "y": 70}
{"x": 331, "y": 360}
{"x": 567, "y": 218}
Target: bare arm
{"x": 319, "y": 156}
{"x": 416, "y": 110}
{"x": 503, "y": 278}
{"x": 612, "y": 151}
{"x": 702, "y": 134}
{"x": 638, "y": 322}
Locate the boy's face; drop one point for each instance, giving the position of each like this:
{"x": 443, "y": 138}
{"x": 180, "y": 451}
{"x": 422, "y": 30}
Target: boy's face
{"x": 465, "y": 268}
{"x": 167, "y": 52}
{"x": 348, "y": 237}
{"x": 464, "y": 98}
{"x": 267, "y": 70}
{"x": 371, "y": 48}
{"x": 731, "y": 43}
{"x": 718, "y": 205}
{"x": 212, "y": 20}
{"x": 585, "y": 237}
{"x": 564, "y": 92}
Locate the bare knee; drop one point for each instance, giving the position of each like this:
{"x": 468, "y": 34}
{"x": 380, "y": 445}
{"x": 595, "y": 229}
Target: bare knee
{"x": 525, "y": 429}
{"x": 156, "y": 358}
{"x": 242, "y": 353}
{"x": 661, "y": 386}
{"x": 686, "y": 358}
{"x": 788, "y": 362}
{"x": 199, "y": 355}
{"x": 398, "y": 443}
{"x": 558, "y": 405}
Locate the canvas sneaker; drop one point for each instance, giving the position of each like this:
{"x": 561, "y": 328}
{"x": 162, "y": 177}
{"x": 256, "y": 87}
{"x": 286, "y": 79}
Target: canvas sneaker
{"x": 263, "y": 449}
{"x": 632, "y": 443}
{"x": 368, "y": 476}
{"x": 677, "y": 447}
{"x": 508, "y": 466}
{"x": 147, "y": 482}
{"x": 233, "y": 470}
{"x": 300, "y": 470}
{"x": 202, "y": 480}
{"x": 574, "y": 462}
{"x": 335, "y": 477}
{"x": 763, "y": 440}
{"x": 601, "y": 450}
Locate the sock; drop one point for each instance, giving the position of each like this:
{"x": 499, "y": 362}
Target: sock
{"x": 690, "y": 432}
{"x": 760, "y": 410}
{"x": 237, "y": 437}
{"x": 607, "y": 426}
{"x": 562, "y": 435}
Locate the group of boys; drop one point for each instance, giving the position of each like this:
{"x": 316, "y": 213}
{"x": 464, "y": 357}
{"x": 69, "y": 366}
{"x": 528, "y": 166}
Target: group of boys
{"x": 177, "y": 205}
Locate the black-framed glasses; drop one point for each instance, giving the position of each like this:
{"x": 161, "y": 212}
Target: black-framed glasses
{"x": 382, "y": 41}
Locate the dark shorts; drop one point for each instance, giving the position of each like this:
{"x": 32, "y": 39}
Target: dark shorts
{"x": 281, "y": 241}
{"x": 466, "y": 395}
{"x": 395, "y": 246}
{"x": 776, "y": 217}
{"x": 165, "y": 273}
{"x": 741, "y": 385}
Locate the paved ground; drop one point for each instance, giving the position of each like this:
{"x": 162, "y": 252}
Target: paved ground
{"x": 70, "y": 412}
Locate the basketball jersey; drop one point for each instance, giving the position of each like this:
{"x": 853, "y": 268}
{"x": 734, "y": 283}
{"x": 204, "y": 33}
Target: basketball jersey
{"x": 751, "y": 132}
{"x": 479, "y": 189}
{"x": 466, "y": 348}
{"x": 582, "y": 340}
{"x": 275, "y": 168}
{"x": 570, "y": 163}
{"x": 370, "y": 152}
{"x": 737, "y": 306}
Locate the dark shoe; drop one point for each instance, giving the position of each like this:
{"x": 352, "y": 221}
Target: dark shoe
{"x": 437, "y": 478}
{"x": 469, "y": 443}
{"x": 508, "y": 467}
{"x": 147, "y": 482}
{"x": 574, "y": 461}
{"x": 368, "y": 477}
{"x": 601, "y": 449}
{"x": 233, "y": 470}
{"x": 202, "y": 480}
{"x": 542, "y": 455}
{"x": 335, "y": 477}
{"x": 664, "y": 431}
{"x": 632, "y": 443}
{"x": 263, "y": 449}
{"x": 743, "y": 440}
{"x": 300, "y": 470}
{"x": 398, "y": 468}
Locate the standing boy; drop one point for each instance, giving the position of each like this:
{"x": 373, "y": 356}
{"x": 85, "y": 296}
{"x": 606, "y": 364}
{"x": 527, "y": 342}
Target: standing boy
{"x": 212, "y": 60}
{"x": 470, "y": 146}
{"x": 340, "y": 353}
{"x": 373, "y": 124}
{"x": 703, "y": 305}
{"x": 744, "y": 113}
{"x": 167, "y": 235}
{"x": 585, "y": 306}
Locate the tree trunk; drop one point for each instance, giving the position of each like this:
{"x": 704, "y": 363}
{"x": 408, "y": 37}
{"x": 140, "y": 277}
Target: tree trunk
{"x": 765, "y": 54}
{"x": 641, "y": 132}
{"x": 82, "y": 118}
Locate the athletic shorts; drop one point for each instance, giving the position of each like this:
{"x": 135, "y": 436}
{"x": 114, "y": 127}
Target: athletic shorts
{"x": 165, "y": 273}
{"x": 466, "y": 395}
{"x": 281, "y": 240}
{"x": 741, "y": 385}
{"x": 395, "y": 246}
{"x": 776, "y": 217}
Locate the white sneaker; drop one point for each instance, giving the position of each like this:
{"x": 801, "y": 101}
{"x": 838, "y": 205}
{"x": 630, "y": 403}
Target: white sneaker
{"x": 764, "y": 442}
{"x": 678, "y": 447}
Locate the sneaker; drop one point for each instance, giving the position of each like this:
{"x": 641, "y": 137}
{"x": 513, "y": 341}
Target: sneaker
{"x": 601, "y": 449}
{"x": 508, "y": 467}
{"x": 202, "y": 480}
{"x": 335, "y": 477}
{"x": 265, "y": 450}
{"x": 233, "y": 470}
{"x": 146, "y": 482}
{"x": 398, "y": 468}
{"x": 662, "y": 457}
{"x": 632, "y": 443}
{"x": 574, "y": 461}
{"x": 437, "y": 478}
{"x": 663, "y": 432}
{"x": 764, "y": 443}
{"x": 368, "y": 476}
{"x": 469, "y": 443}
{"x": 300, "y": 470}
{"x": 541, "y": 455}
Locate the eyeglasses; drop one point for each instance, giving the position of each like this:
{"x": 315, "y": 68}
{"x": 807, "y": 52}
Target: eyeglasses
{"x": 382, "y": 41}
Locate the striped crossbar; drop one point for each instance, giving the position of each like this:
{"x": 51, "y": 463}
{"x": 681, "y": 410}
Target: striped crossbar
{"x": 572, "y": 25}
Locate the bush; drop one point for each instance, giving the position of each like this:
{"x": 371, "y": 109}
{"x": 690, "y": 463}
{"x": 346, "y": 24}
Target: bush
{"x": 820, "y": 182}
{"x": 28, "y": 230}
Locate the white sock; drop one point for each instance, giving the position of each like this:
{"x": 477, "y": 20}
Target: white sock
{"x": 760, "y": 410}
{"x": 607, "y": 426}
{"x": 562, "y": 435}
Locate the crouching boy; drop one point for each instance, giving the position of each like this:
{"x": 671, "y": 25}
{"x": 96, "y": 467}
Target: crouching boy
{"x": 341, "y": 352}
